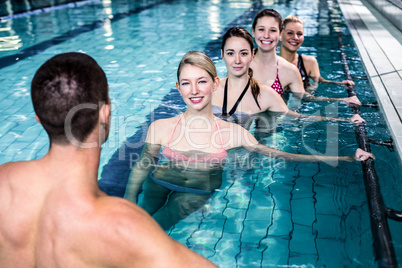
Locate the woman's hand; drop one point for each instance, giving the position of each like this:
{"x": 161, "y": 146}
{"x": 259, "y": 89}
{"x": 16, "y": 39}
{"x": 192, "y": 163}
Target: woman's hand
{"x": 362, "y": 155}
{"x": 352, "y": 101}
{"x": 347, "y": 83}
{"x": 357, "y": 119}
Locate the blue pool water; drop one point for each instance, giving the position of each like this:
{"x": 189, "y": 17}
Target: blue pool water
{"x": 267, "y": 213}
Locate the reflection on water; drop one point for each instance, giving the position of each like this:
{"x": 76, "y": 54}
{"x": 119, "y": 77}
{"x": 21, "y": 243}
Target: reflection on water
{"x": 9, "y": 42}
{"x": 8, "y": 39}
{"x": 9, "y": 7}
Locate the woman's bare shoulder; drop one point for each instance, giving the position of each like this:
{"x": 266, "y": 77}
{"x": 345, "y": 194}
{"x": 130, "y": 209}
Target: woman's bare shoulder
{"x": 157, "y": 131}
{"x": 267, "y": 96}
{"x": 288, "y": 73}
{"x": 311, "y": 66}
{"x": 271, "y": 100}
{"x": 286, "y": 67}
{"x": 232, "y": 134}
{"x": 309, "y": 59}
{"x": 266, "y": 90}
{"x": 165, "y": 122}
{"x": 282, "y": 63}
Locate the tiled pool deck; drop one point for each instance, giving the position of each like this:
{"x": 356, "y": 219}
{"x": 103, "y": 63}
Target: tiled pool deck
{"x": 379, "y": 44}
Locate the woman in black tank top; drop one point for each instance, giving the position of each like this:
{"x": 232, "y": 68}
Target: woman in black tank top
{"x": 292, "y": 38}
{"x": 303, "y": 72}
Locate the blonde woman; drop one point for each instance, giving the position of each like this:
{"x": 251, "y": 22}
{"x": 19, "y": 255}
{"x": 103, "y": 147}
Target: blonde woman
{"x": 292, "y": 38}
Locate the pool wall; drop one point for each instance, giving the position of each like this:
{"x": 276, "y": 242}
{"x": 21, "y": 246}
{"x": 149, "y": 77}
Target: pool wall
{"x": 392, "y": 9}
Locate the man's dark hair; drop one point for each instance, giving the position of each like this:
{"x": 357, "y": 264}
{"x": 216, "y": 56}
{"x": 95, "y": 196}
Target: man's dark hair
{"x": 67, "y": 81}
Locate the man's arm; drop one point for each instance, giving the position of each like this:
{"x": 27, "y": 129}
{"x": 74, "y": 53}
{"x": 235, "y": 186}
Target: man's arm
{"x": 136, "y": 240}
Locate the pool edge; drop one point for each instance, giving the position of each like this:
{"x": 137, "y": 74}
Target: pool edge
{"x": 378, "y": 49}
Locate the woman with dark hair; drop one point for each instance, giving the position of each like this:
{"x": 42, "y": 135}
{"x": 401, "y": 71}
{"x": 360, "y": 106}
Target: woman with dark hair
{"x": 273, "y": 70}
{"x": 239, "y": 94}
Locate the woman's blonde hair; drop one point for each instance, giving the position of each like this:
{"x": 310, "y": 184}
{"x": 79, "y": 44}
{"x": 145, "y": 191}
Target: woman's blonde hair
{"x": 291, "y": 18}
{"x": 200, "y": 60}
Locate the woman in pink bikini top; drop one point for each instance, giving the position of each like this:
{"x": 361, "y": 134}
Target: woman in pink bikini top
{"x": 194, "y": 145}
{"x": 273, "y": 70}
{"x": 217, "y": 157}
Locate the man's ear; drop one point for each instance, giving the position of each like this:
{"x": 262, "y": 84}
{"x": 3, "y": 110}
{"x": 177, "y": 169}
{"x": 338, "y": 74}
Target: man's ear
{"x": 37, "y": 119}
{"x": 104, "y": 114}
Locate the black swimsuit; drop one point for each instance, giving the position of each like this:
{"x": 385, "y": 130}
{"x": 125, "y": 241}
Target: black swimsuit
{"x": 302, "y": 70}
{"x": 225, "y": 100}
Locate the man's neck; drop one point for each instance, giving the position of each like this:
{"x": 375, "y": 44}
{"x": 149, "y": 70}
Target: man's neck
{"x": 79, "y": 164}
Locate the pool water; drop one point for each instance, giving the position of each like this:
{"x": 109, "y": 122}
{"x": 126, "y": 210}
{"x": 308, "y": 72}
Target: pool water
{"x": 267, "y": 213}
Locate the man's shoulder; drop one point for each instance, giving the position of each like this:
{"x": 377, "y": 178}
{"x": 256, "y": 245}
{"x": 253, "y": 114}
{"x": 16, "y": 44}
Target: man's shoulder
{"x": 12, "y": 169}
{"x": 116, "y": 209}
{"x": 126, "y": 218}
{"x": 9, "y": 165}
{"x": 123, "y": 230}
{"x": 126, "y": 236}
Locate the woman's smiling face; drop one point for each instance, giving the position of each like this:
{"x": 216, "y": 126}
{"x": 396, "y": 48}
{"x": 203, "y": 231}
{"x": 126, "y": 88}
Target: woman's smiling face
{"x": 266, "y": 33}
{"x": 292, "y": 36}
{"x": 196, "y": 86}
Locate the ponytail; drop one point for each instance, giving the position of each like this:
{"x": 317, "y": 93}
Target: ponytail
{"x": 255, "y": 87}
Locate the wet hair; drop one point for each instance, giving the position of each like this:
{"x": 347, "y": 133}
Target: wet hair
{"x": 63, "y": 83}
{"x": 200, "y": 60}
{"x": 268, "y": 13}
{"x": 291, "y": 18}
{"x": 243, "y": 33}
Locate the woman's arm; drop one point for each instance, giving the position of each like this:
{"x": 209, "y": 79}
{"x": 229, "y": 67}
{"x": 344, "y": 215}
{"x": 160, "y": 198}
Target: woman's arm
{"x": 295, "y": 84}
{"x": 274, "y": 103}
{"x": 145, "y": 163}
{"x": 313, "y": 70}
{"x": 355, "y": 119}
{"x": 308, "y": 97}
{"x": 344, "y": 82}
{"x": 141, "y": 170}
{"x": 249, "y": 143}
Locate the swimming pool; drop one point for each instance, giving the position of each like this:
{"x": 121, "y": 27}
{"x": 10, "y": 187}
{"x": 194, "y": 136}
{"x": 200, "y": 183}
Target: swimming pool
{"x": 266, "y": 213}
